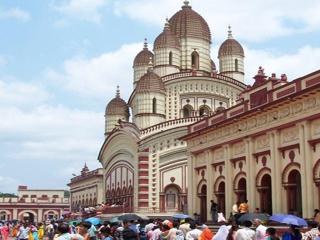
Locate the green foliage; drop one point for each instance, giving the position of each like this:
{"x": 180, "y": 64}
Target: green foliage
{"x": 7, "y": 195}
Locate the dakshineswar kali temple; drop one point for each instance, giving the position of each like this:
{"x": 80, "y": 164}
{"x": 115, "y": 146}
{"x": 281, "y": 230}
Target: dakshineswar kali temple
{"x": 198, "y": 133}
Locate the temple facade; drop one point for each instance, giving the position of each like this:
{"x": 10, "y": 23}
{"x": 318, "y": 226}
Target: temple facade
{"x": 265, "y": 149}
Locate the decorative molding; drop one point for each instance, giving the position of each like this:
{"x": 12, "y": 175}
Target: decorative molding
{"x": 258, "y": 154}
{"x": 313, "y": 143}
{"x": 289, "y": 147}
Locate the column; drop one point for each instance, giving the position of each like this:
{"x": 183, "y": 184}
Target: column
{"x": 40, "y": 215}
{"x": 192, "y": 192}
{"x": 306, "y": 170}
{"x": 276, "y": 172}
{"x": 251, "y": 170}
{"x": 208, "y": 155}
{"x": 229, "y": 180}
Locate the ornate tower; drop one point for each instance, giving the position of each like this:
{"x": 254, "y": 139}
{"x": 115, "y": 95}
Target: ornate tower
{"x": 141, "y": 63}
{"x": 117, "y": 109}
{"x": 231, "y": 58}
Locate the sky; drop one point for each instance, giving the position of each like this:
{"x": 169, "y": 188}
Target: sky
{"x": 61, "y": 60}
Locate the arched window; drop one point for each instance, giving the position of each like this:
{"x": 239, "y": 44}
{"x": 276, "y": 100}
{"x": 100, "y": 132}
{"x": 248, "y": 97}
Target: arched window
{"x": 195, "y": 60}
{"x": 187, "y": 110}
{"x": 236, "y": 65}
{"x": 154, "y": 105}
{"x": 204, "y": 110}
{"x": 172, "y": 198}
{"x": 170, "y": 58}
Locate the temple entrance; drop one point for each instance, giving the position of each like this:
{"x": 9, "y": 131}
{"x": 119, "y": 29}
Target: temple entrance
{"x": 203, "y": 203}
{"x": 265, "y": 194}
{"x": 242, "y": 190}
{"x": 294, "y": 197}
{"x": 221, "y": 199}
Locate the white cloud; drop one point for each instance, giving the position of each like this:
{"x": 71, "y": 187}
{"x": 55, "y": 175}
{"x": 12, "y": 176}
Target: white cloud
{"x": 251, "y": 20}
{"x": 15, "y": 13}
{"x": 305, "y": 60}
{"x": 3, "y": 61}
{"x": 7, "y": 184}
{"x": 87, "y": 10}
{"x": 98, "y": 77}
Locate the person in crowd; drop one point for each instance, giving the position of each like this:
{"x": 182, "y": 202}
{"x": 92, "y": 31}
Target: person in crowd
{"x": 5, "y": 231}
{"x": 63, "y": 232}
{"x": 313, "y": 233}
{"x": 316, "y": 216}
{"x": 155, "y": 233}
{"x": 244, "y": 207}
{"x": 50, "y": 230}
{"x": 292, "y": 234}
{"x": 271, "y": 234}
{"x": 184, "y": 226}
{"x": 83, "y": 230}
{"x": 194, "y": 232}
{"x": 245, "y": 233}
{"x": 149, "y": 226}
{"x": 165, "y": 231}
{"x": 128, "y": 233}
{"x": 232, "y": 232}
{"x": 106, "y": 233}
{"x": 235, "y": 212}
{"x": 92, "y": 232}
{"x": 222, "y": 233}
{"x": 40, "y": 231}
{"x": 214, "y": 211}
{"x": 206, "y": 233}
{"x": 15, "y": 230}
{"x": 23, "y": 233}
{"x": 135, "y": 227}
{"x": 260, "y": 229}
{"x": 34, "y": 232}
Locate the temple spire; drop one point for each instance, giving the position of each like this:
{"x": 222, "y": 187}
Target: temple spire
{"x": 118, "y": 92}
{"x": 229, "y": 32}
{"x": 145, "y": 44}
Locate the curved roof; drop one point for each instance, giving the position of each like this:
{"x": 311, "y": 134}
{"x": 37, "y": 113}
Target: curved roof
{"x": 166, "y": 39}
{"x": 150, "y": 82}
{"x": 188, "y": 23}
{"x": 230, "y": 46}
{"x": 143, "y": 57}
{"x": 117, "y": 106}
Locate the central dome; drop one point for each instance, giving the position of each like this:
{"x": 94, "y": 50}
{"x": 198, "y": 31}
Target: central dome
{"x": 188, "y": 23}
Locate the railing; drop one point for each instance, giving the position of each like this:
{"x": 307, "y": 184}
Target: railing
{"x": 168, "y": 125}
{"x": 203, "y": 74}
{"x": 117, "y": 209}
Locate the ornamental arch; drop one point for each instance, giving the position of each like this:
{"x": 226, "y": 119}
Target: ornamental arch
{"x": 264, "y": 187}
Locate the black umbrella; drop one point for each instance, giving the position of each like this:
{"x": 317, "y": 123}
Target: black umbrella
{"x": 131, "y": 217}
{"x": 252, "y": 216}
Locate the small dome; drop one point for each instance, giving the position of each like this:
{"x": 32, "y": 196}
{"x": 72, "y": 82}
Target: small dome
{"x": 150, "y": 82}
{"x": 188, "y": 23}
{"x": 144, "y": 56}
{"x": 117, "y": 106}
{"x": 230, "y": 46}
{"x": 166, "y": 39}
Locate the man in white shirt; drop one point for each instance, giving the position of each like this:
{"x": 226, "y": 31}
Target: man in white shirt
{"x": 245, "y": 233}
{"x": 260, "y": 229}
{"x": 194, "y": 233}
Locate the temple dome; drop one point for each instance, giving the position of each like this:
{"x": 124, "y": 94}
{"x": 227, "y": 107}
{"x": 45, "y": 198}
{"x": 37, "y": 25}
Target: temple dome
{"x": 166, "y": 39}
{"x": 143, "y": 57}
{"x": 230, "y": 46}
{"x": 188, "y": 23}
{"x": 117, "y": 106}
{"x": 150, "y": 82}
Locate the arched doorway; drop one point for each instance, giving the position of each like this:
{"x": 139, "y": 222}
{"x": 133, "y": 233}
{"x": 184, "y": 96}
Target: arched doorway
{"x": 27, "y": 217}
{"x": 204, "y": 110}
{"x": 203, "y": 203}
{"x": 221, "y": 199}
{"x": 265, "y": 191}
{"x": 4, "y": 216}
{"x": 187, "y": 111}
{"x": 242, "y": 190}
{"x": 294, "y": 197}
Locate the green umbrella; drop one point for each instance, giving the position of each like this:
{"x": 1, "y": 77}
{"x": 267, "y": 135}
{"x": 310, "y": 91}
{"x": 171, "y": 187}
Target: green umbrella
{"x": 74, "y": 222}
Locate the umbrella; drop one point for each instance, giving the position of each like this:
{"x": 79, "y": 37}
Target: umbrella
{"x": 181, "y": 216}
{"x": 132, "y": 216}
{"x": 288, "y": 219}
{"x": 74, "y": 222}
{"x": 252, "y": 216}
{"x": 93, "y": 220}
{"x": 114, "y": 220}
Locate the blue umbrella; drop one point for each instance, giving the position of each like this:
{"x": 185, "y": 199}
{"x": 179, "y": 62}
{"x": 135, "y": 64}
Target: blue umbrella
{"x": 181, "y": 216}
{"x": 93, "y": 220}
{"x": 288, "y": 219}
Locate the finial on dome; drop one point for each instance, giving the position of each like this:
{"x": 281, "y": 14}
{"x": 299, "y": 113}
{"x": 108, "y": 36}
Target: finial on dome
{"x": 229, "y": 32}
{"x": 186, "y": 3}
{"x": 118, "y": 92}
{"x": 145, "y": 44}
{"x": 167, "y": 24}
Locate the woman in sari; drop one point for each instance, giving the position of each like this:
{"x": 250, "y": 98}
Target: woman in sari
{"x": 5, "y": 231}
